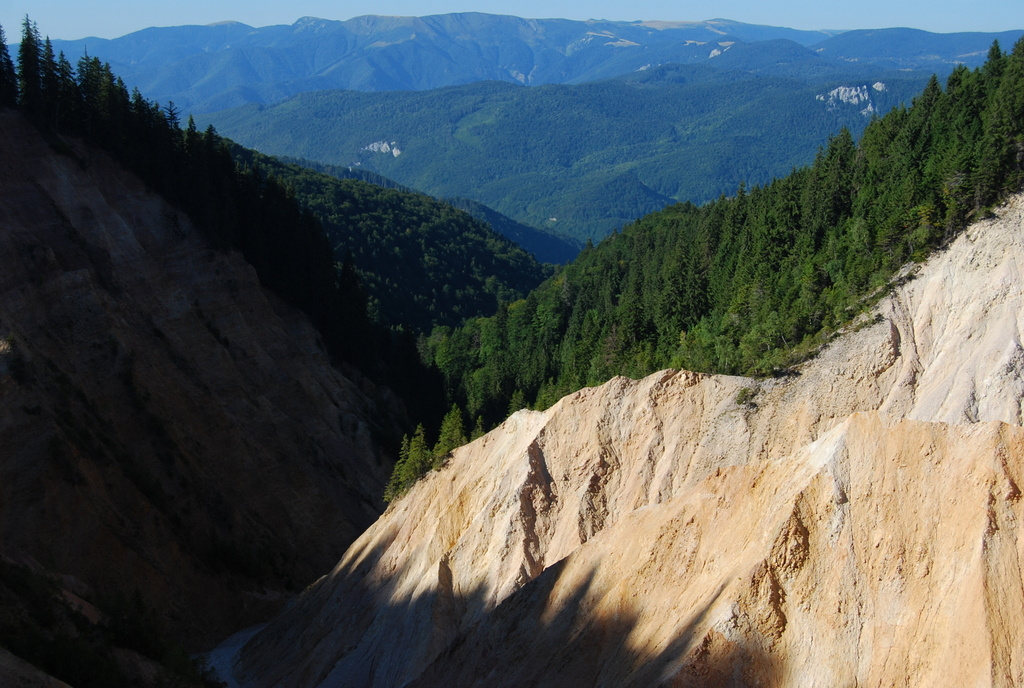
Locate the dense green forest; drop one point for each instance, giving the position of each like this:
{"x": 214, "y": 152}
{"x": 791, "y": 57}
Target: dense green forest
{"x": 580, "y": 160}
{"x": 545, "y": 246}
{"x": 753, "y": 283}
{"x": 421, "y": 262}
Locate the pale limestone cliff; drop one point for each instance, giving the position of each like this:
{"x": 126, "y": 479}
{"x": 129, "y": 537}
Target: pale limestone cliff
{"x": 167, "y": 426}
{"x": 855, "y": 524}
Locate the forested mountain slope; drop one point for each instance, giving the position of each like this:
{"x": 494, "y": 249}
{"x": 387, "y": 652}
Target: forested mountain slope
{"x": 752, "y": 283}
{"x": 422, "y": 262}
{"x": 208, "y": 68}
{"x": 903, "y": 48}
{"x": 583, "y": 160}
{"x": 545, "y": 247}
{"x": 419, "y": 261}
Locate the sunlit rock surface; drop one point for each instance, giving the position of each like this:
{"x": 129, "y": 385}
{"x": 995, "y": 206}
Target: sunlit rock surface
{"x": 855, "y": 524}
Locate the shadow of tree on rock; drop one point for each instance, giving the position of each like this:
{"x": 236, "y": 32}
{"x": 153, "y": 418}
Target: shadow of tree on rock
{"x": 526, "y": 642}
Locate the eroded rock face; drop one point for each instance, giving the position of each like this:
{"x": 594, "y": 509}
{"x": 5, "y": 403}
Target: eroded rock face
{"x": 168, "y": 425}
{"x": 856, "y": 524}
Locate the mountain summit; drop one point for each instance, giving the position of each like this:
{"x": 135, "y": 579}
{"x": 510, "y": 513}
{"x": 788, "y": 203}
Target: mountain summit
{"x": 208, "y": 68}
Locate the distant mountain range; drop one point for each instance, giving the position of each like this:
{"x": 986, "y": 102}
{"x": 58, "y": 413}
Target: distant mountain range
{"x": 626, "y": 117}
{"x": 209, "y": 68}
{"x": 581, "y": 160}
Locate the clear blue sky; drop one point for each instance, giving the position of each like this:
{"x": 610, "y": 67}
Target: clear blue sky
{"x": 70, "y": 19}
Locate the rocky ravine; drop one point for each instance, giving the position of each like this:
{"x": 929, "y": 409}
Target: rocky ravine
{"x": 855, "y": 524}
{"x": 168, "y": 426}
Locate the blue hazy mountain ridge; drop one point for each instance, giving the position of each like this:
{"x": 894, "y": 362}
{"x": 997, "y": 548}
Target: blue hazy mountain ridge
{"x": 581, "y": 160}
{"x": 209, "y": 68}
{"x": 914, "y": 49}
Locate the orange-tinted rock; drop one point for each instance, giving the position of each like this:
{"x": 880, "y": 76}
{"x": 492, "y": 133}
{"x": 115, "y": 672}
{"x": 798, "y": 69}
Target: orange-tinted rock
{"x": 855, "y": 524}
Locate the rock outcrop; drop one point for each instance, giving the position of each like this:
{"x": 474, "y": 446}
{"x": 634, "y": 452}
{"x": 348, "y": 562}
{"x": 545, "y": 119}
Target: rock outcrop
{"x": 169, "y": 427}
{"x": 857, "y": 523}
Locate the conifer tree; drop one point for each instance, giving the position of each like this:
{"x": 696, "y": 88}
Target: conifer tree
{"x": 65, "y": 102}
{"x": 414, "y": 460}
{"x": 995, "y": 63}
{"x": 8, "y": 75}
{"x": 452, "y": 435}
{"x": 30, "y": 84}
{"x": 49, "y": 80}
{"x": 517, "y": 402}
{"x": 478, "y": 429}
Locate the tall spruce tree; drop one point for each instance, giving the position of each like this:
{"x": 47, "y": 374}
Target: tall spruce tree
{"x": 50, "y": 81}
{"x": 65, "y": 101}
{"x": 30, "y": 79}
{"x": 414, "y": 460}
{"x": 8, "y": 76}
{"x": 452, "y": 435}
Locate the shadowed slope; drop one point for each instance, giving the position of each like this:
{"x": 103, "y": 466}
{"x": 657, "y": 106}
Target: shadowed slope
{"x": 170, "y": 427}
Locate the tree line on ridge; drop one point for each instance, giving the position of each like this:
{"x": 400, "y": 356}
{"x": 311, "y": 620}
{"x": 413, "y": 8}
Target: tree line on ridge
{"x": 754, "y": 283}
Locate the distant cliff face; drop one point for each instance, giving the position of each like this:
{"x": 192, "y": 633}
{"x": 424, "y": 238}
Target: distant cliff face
{"x": 167, "y": 425}
{"x": 856, "y": 523}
